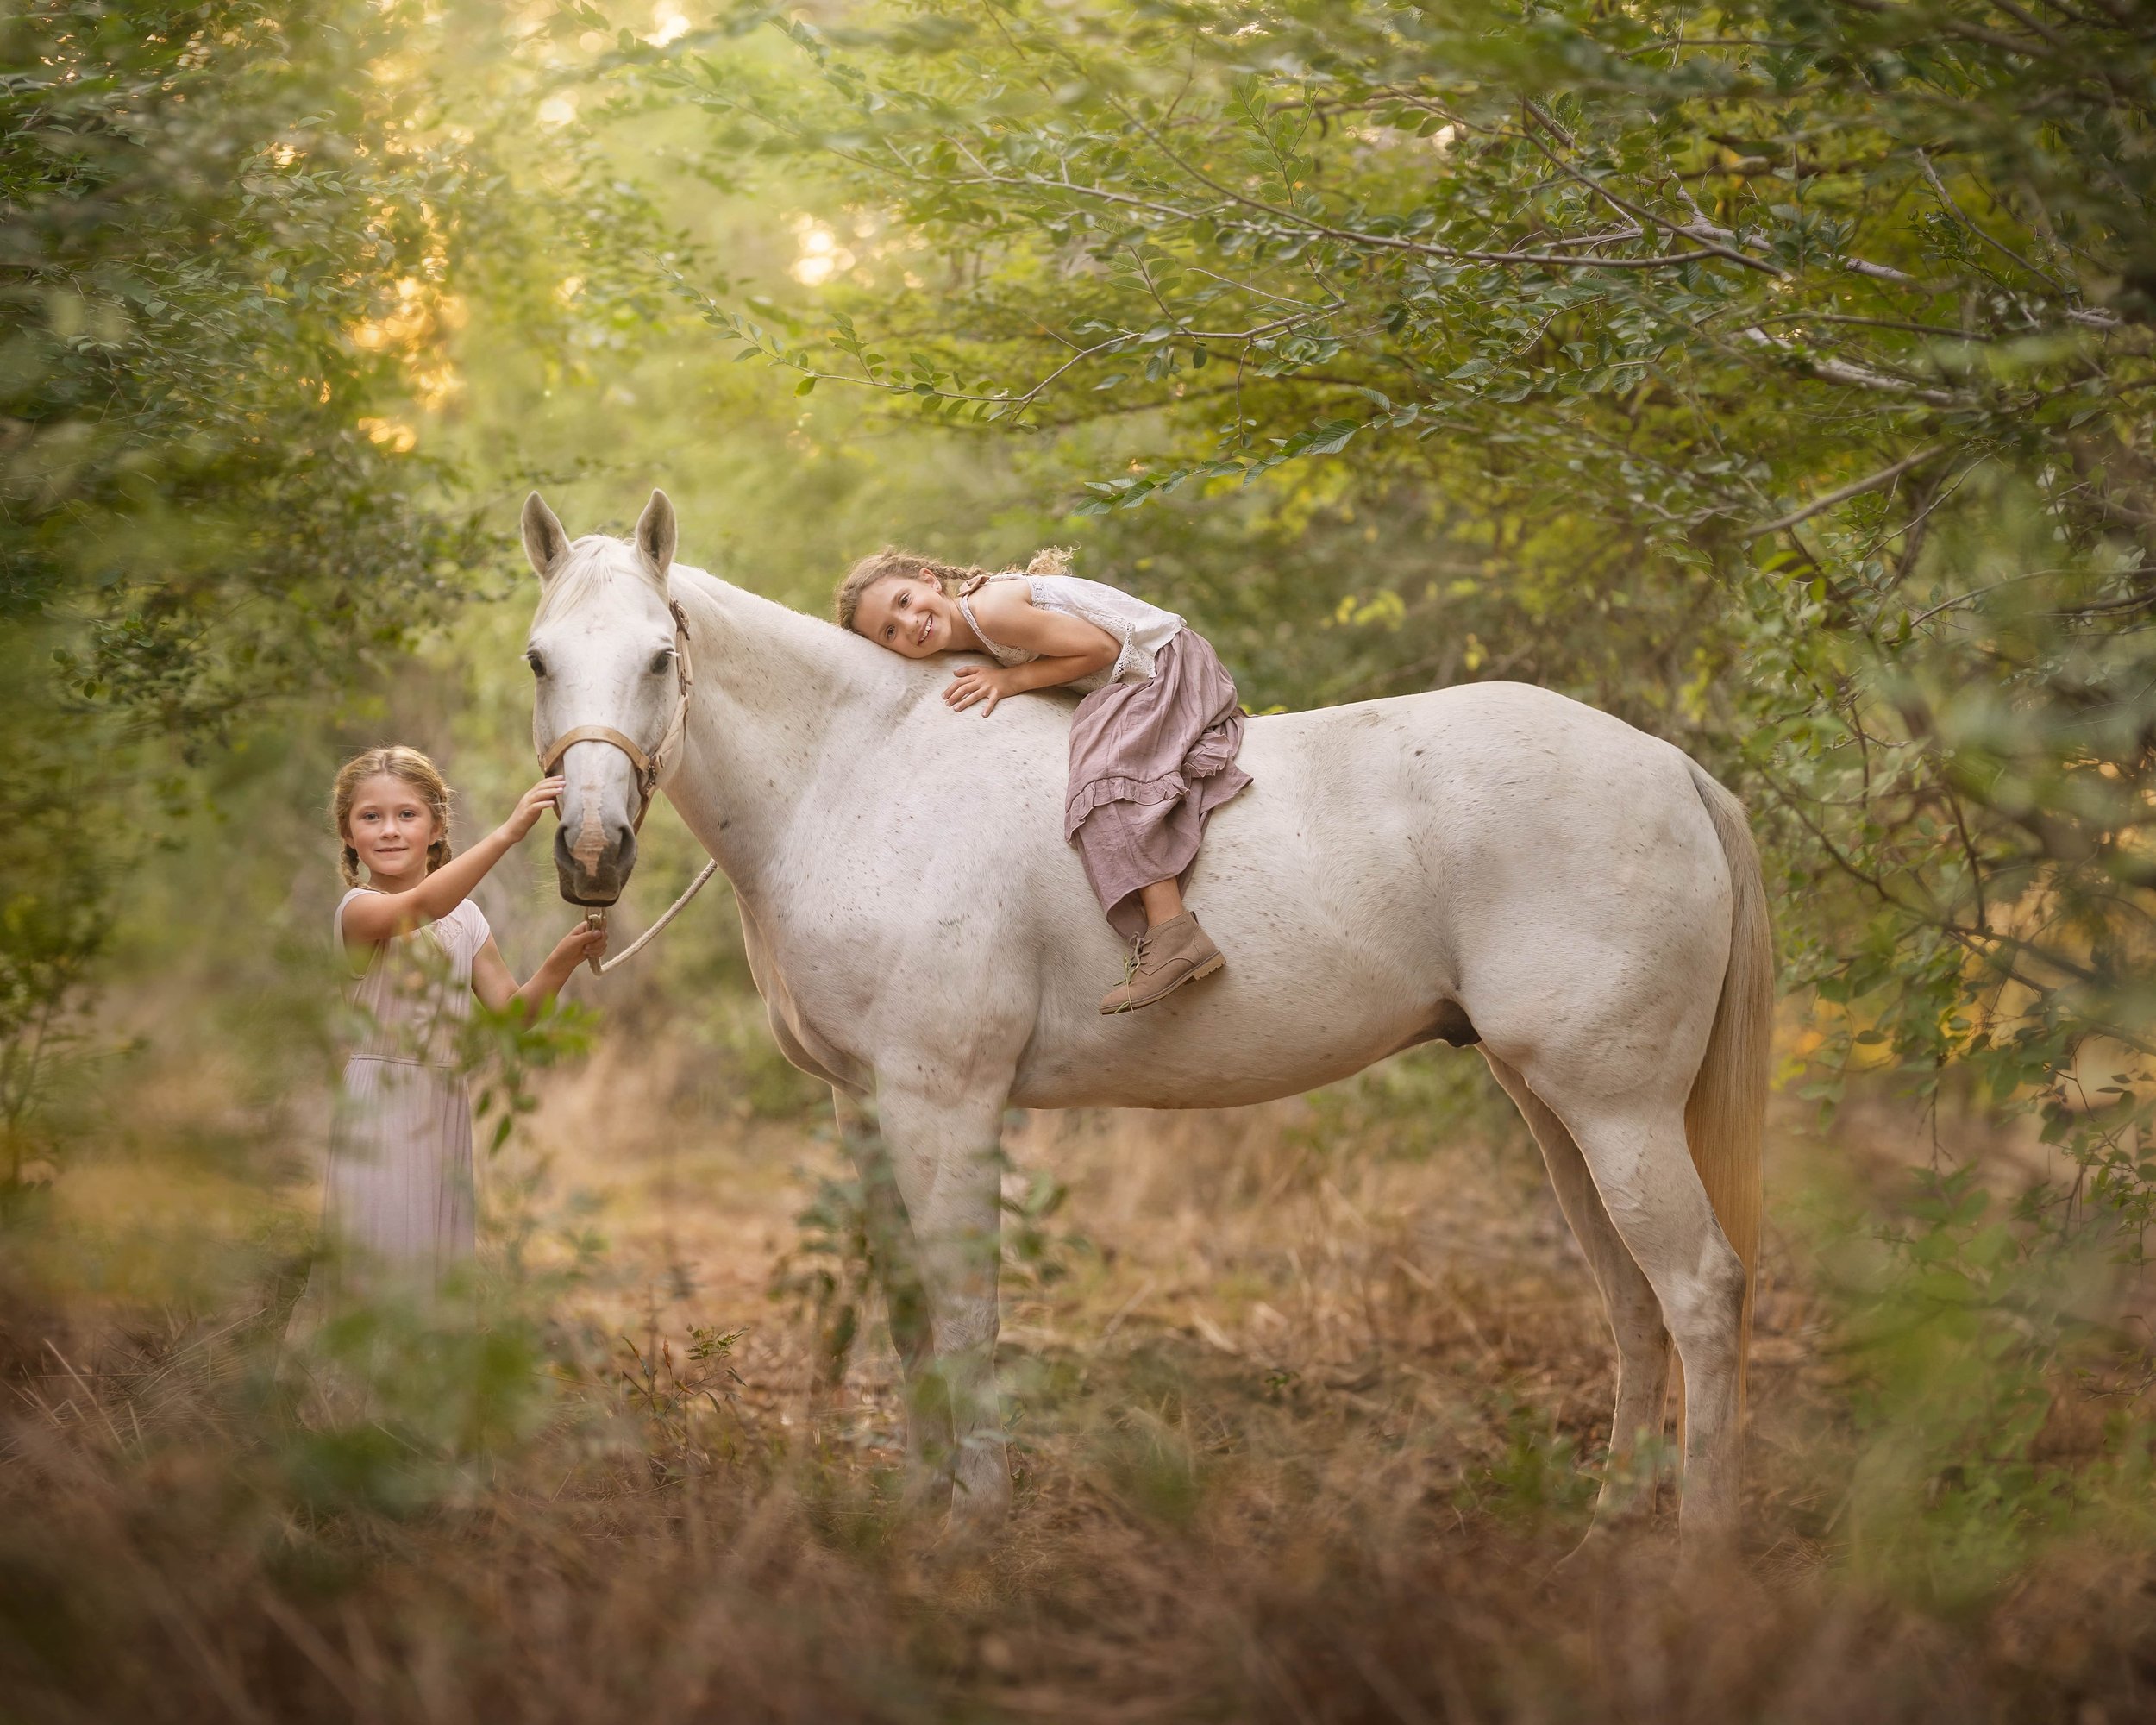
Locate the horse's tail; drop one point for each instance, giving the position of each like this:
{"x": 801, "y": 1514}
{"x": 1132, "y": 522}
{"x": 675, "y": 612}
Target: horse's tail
{"x": 1725, "y": 1117}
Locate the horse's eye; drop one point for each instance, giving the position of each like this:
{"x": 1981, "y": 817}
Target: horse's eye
{"x": 538, "y": 665}
{"x": 661, "y": 660}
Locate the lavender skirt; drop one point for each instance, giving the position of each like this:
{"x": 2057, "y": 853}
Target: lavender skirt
{"x": 398, "y": 1191}
{"x": 1149, "y": 763}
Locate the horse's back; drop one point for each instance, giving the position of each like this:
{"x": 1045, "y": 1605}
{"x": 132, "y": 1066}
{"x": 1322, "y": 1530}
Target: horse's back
{"x": 1487, "y": 794}
{"x": 1386, "y": 857}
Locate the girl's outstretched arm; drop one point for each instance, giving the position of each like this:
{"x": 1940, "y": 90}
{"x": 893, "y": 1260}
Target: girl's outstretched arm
{"x": 494, "y": 983}
{"x": 376, "y": 917}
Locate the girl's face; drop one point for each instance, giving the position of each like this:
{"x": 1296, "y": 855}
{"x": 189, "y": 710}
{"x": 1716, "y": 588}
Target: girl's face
{"x": 910, "y": 614}
{"x": 391, "y": 826}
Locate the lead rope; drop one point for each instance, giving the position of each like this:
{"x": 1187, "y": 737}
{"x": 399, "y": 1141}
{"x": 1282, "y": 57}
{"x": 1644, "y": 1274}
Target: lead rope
{"x": 598, "y": 919}
{"x": 648, "y": 768}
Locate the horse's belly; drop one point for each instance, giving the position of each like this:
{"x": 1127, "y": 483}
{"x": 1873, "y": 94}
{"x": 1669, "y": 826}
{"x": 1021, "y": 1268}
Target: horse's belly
{"x": 1219, "y": 1073}
{"x": 1295, "y": 1007}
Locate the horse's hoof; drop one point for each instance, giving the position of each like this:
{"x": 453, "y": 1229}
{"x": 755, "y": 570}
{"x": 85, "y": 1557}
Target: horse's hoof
{"x": 1614, "y": 1527}
{"x": 1709, "y": 1558}
{"x": 984, "y": 1514}
{"x": 1587, "y": 1551}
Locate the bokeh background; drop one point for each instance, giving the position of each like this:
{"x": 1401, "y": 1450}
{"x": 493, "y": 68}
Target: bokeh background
{"x": 1775, "y": 375}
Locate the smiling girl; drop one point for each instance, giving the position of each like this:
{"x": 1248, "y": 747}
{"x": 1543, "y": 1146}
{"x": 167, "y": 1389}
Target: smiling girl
{"x": 398, "y": 1196}
{"x": 1152, "y": 745}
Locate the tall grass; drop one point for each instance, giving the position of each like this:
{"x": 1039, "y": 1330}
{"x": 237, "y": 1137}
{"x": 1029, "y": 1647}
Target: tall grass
{"x": 1303, "y": 1403}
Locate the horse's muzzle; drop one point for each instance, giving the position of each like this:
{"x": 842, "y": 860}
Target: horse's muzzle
{"x": 599, "y": 880}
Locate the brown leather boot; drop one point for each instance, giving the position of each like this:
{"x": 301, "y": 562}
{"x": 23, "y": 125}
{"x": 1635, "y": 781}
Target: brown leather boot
{"x": 1167, "y": 956}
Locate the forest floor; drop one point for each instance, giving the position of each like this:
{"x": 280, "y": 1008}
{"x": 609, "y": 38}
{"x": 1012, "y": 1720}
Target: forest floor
{"x": 1299, "y": 1397}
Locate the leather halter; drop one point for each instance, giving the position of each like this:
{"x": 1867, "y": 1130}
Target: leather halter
{"x": 649, "y": 767}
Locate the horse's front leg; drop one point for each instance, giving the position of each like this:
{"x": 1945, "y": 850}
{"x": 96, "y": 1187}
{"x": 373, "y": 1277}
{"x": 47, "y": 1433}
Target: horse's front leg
{"x": 943, "y": 1157}
{"x": 897, "y": 1269}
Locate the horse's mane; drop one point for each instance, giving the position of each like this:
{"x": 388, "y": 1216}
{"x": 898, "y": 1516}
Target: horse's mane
{"x": 587, "y": 568}
{"x": 598, "y": 562}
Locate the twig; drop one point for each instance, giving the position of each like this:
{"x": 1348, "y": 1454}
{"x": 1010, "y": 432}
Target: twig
{"x": 1638, "y": 213}
{"x": 1115, "y": 1323}
{"x": 1847, "y": 372}
{"x": 1938, "y": 190}
{"x": 1977, "y": 592}
{"x": 1843, "y": 494}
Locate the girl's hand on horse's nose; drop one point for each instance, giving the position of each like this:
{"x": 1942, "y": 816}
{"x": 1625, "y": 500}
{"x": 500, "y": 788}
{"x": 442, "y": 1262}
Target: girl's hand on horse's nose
{"x": 542, "y": 796}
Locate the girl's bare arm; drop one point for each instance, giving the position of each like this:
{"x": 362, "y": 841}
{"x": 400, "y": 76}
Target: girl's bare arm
{"x": 1070, "y": 648}
{"x": 494, "y": 983}
{"x": 376, "y": 917}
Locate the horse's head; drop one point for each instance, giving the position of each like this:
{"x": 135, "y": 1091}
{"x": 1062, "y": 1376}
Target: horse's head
{"x": 608, "y": 691}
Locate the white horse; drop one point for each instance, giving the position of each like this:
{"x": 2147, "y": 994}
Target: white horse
{"x": 1491, "y": 864}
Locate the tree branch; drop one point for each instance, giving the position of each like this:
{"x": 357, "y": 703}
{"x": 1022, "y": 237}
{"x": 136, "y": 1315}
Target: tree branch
{"x": 1863, "y": 377}
{"x": 1843, "y": 494}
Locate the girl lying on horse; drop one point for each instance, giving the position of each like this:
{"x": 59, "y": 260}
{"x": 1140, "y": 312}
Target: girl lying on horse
{"x": 1153, "y": 744}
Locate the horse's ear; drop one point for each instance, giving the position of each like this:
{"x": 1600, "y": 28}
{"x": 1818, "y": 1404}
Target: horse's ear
{"x": 545, "y": 542}
{"x": 656, "y": 534}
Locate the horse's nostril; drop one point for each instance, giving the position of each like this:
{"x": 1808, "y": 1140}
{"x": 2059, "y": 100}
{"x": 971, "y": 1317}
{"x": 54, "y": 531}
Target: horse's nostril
{"x": 593, "y": 857}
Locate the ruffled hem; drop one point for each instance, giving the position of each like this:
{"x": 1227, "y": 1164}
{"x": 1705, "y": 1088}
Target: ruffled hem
{"x": 1167, "y": 788}
{"x": 1205, "y": 762}
{"x": 1212, "y": 753}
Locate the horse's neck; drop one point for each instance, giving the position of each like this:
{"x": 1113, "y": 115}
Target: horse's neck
{"x": 776, "y": 693}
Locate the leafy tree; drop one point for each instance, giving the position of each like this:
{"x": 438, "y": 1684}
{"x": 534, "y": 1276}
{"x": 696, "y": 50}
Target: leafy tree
{"x": 239, "y": 235}
{"x": 1818, "y": 332}
{"x": 1776, "y": 373}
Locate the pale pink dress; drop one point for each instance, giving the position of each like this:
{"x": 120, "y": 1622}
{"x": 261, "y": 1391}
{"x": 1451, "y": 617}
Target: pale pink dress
{"x": 1153, "y": 744}
{"x": 399, "y": 1198}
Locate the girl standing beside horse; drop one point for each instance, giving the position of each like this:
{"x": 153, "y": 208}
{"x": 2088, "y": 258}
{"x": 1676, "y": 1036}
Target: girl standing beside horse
{"x": 398, "y": 1196}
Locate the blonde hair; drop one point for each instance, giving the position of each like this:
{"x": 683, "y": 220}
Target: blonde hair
{"x": 412, "y": 768}
{"x": 894, "y": 565}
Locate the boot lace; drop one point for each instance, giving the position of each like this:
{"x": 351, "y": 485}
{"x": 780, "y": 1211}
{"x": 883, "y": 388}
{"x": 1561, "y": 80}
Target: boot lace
{"x": 1137, "y": 957}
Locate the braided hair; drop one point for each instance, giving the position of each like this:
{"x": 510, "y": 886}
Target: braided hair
{"x": 895, "y": 565}
{"x": 409, "y": 767}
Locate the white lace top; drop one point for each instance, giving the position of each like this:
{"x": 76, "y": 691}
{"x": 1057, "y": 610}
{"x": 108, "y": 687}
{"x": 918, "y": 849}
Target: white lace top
{"x": 1143, "y": 629}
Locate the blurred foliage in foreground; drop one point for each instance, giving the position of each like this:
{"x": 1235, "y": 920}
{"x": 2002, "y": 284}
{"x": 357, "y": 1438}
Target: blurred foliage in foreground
{"x": 1774, "y": 376}
{"x": 1305, "y": 1451}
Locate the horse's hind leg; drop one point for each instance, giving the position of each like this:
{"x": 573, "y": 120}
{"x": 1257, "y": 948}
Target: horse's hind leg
{"x": 1635, "y": 1315}
{"x": 904, "y": 1297}
{"x": 944, "y": 1158}
{"x": 1635, "y": 1148}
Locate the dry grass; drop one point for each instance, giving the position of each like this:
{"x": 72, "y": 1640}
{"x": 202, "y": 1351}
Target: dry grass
{"x": 1296, "y": 1436}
